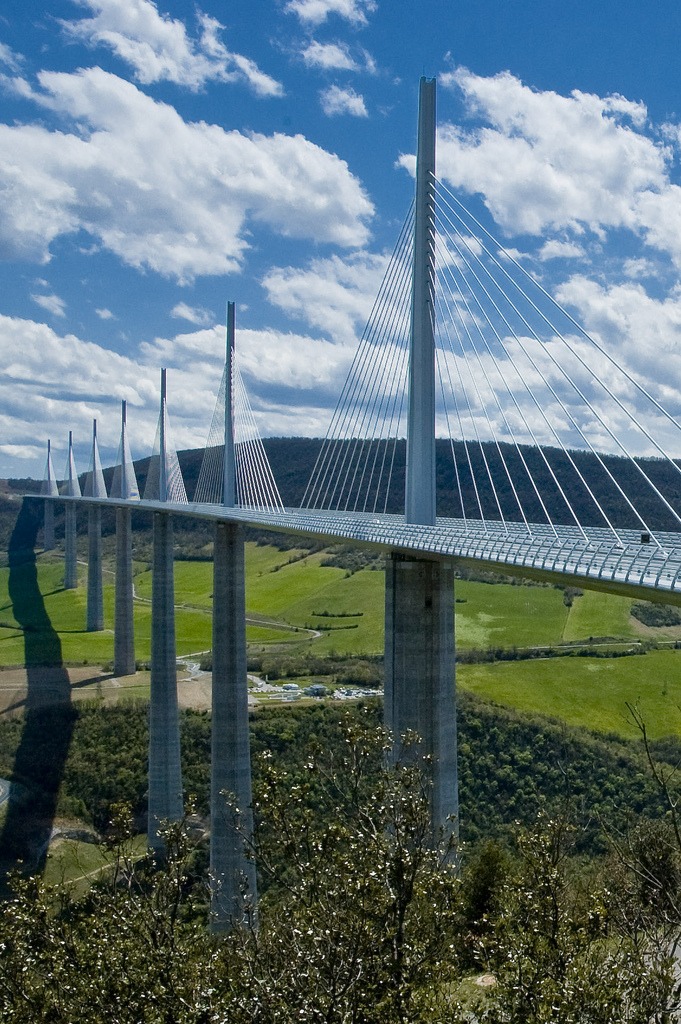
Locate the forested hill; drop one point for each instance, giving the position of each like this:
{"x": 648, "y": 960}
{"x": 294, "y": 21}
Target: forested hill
{"x": 293, "y": 459}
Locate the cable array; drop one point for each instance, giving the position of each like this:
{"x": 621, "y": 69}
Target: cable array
{"x": 535, "y": 392}
{"x": 541, "y": 423}
{"x": 174, "y": 484}
{"x": 355, "y": 468}
{"x": 255, "y": 484}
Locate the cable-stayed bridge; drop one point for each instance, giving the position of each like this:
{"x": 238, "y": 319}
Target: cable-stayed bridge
{"x": 465, "y": 343}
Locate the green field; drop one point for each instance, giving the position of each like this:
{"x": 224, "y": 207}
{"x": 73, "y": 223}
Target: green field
{"x": 293, "y": 588}
{"x": 591, "y": 692}
{"x": 54, "y": 621}
{"x": 505, "y": 616}
{"x": 292, "y": 599}
{"x": 77, "y": 863}
{"x": 295, "y": 604}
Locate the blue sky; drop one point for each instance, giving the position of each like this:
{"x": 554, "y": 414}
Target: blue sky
{"x": 157, "y": 160}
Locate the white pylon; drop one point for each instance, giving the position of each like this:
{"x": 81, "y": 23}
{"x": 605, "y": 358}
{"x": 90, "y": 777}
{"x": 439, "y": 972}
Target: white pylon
{"x": 71, "y": 486}
{"x": 420, "y": 480}
{"x": 164, "y": 478}
{"x": 94, "y": 483}
{"x": 49, "y": 484}
{"x": 124, "y": 483}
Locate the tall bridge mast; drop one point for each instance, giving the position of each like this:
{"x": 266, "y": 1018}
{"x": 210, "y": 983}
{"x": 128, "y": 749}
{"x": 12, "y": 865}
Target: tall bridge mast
{"x": 420, "y": 478}
{"x": 419, "y": 592}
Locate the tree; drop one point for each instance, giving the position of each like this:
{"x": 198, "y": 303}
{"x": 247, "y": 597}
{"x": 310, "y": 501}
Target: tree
{"x": 357, "y": 923}
{"x": 555, "y": 951}
{"x": 133, "y": 950}
{"x": 361, "y": 913}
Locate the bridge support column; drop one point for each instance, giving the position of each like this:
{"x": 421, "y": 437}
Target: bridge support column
{"x": 165, "y": 772}
{"x": 124, "y": 628}
{"x": 420, "y": 673}
{"x": 48, "y": 526}
{"x": 70, "y": 547}
{"x": 232, "y": 873}
{"x": 95, "y": 598}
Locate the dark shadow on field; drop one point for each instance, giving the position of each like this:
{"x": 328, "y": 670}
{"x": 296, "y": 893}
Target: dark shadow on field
{"x": 49, "y": 715}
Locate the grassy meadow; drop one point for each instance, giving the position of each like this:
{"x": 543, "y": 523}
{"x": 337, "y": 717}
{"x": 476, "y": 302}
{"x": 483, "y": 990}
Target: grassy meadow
{"x": 295, "y": 604}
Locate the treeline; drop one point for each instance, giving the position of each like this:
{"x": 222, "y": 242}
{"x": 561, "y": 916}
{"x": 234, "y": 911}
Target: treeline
{"x": 293, "y": 459}
{"x": 488, "y": 655}
{"x": 511, "y": 765}
{"x": 656, "y": 614}
{"x": 362, "y": 916}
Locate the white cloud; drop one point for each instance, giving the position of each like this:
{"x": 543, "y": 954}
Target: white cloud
{"x": 294, "y": 378}
{"x": 329, "y": 56}
{"x": 62, "y": 382}
{"x": 52, "y": 303}
{"x": 659, "y": 220}
{"x": 637, "y": 268}
{"x": 333, "y": 295}
{"x": 9, "y": 58}
{"x": 193, "y": 314}
{"x": 546, "y": 162}
{"x": 158, "y": 47}
{"x": 294, "y": 361}
{"x": 163, "y": 194}
{"x": 315, "y": 12}
{"x": 555, "y": 249}
{"x": 643, "y": 332}
{"x": 105, "y": 314}
{"x": 22, "y": 452}
{"x": 335, "y": 100}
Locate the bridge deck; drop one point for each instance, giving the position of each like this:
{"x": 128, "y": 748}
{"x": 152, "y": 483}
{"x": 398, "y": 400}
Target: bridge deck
{"x": 564, "y": 555}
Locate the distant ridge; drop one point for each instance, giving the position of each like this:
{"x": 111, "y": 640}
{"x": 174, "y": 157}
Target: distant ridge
{"x": 293, "y": 458}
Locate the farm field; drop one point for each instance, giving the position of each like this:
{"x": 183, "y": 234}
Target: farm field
{"x": 293, "y": 589}
{"x": 77, "y": 863}
{"x": 590, "y": 692}
{"x": 296, "y": 604}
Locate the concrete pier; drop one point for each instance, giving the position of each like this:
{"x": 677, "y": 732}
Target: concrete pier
{"x": 124, "y": 627}
{"x": 233, "y": 883}
{"x": 48, "y": 526}
{"x": 419, "y": 593}
{"x": 420, "y": 673}
{"x": 95, "y": 597}
{"x": 70, "y": 547}
{"x": 95, "y": 488}
{"x": 165, "y": 772}
{"x": 71, "y": 490}
{"x": 49, "y": 486}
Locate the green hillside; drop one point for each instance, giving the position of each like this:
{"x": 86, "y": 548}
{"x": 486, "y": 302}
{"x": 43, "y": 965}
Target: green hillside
{"x": 297, "y": 605}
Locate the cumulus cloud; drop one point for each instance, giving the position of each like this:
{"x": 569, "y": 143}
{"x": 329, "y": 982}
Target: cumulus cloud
{"x": 159, "y": 48}
{"x": 52, "y": 303}
{"x": 545, "y": 162}
{"x": 329, "y": 56}
{"x": 62, "y": 382}
{"x": 638, "y": 267}
{"x": 105, "y": 314}
{"x": 315, "y": 12}
{"x": 556, "y": 249}
{"x": 193, "y": 314}
{"x": 333, "y": 295}
{"x": 335, "y": 100}
{"x": 161, "y": 193}
{"x": 640, "y": 328}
